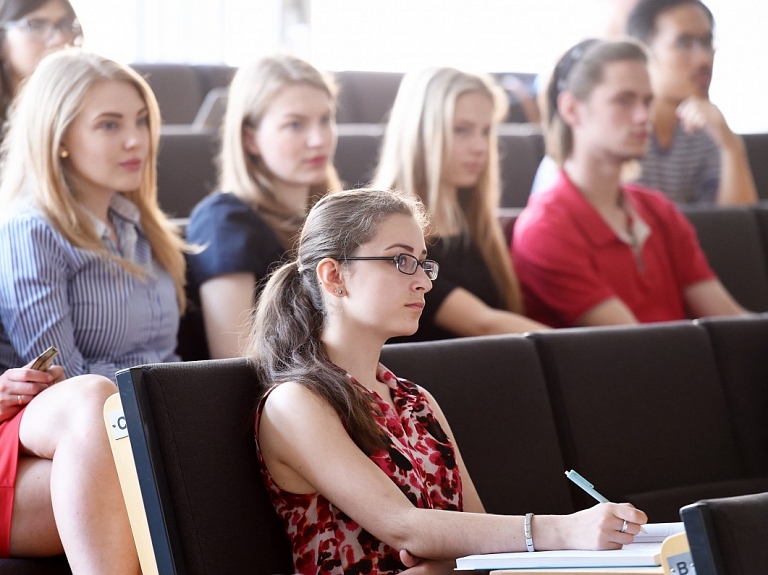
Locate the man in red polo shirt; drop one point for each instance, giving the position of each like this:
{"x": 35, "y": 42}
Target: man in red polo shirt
{"x": 594, "y": 250}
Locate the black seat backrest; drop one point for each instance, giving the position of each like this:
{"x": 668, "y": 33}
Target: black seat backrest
{"x": 641, "y": 413}
{"x": 728, "y": 536}
{"x": 357, "y": 153}
{"x": 53, "y": 566}
{"x": 191, "y": 431}
{"x": 186, "y": 169}
{"x": 521, "y": 148}
{"x": 492, "y": 392}
{"x": 741, "y": 351}
{"x": 732, "y": 242}
{"x": 757, "y": 151}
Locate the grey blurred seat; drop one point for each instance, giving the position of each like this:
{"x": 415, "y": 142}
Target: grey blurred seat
{"x": 757, "y": 152}
{"x": 728, "y": 536}
{"x": 732, "y": 241}
{"x": 521, "y": 148}
{"x": 177, "y": 89}
{"x": 186, "y": 168}
{"x": 366, "y": 97}
{"x": 357, "y": 153}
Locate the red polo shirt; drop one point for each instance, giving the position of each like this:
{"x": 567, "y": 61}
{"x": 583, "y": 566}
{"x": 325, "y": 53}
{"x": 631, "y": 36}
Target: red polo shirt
{"x": 568, "y": 259}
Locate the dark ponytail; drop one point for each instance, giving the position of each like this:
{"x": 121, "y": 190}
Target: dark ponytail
{"x": 285, "y": 341}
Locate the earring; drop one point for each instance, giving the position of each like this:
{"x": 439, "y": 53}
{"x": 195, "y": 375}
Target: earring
{"x": 64, "y": 154}
{"x": 340, "y": 291}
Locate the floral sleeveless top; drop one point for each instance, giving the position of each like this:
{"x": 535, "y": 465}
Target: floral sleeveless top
{"x": 420, "y": 460}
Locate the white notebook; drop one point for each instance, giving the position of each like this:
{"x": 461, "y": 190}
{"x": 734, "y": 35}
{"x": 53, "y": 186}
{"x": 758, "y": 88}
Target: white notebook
{"x": 644, "y": 552}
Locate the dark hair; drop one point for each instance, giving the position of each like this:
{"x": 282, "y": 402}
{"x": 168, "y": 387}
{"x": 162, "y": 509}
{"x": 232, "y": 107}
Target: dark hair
{"x": 11, "y": 10}
{"x": 288, "y": 320}
{"x": 641, "y": 22}
{"x": 586, "y": 73}
{"x": 561, "y": 72}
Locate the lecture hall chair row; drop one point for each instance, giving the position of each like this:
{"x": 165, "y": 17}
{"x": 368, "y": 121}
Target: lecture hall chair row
{"x": 659, "y": 415}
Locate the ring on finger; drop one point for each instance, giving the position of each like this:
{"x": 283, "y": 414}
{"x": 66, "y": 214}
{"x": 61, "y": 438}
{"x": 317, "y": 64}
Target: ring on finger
{"x": 19, "y": 398}
{"x": 623, "y": 527}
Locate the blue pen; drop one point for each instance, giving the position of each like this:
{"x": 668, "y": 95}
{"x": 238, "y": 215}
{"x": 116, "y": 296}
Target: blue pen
{"x": 589, "y": 488}
{"x": 585, "y": 485}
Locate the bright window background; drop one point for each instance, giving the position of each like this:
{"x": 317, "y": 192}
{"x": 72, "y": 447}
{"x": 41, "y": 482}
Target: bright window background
{"x": 403, "y": 35}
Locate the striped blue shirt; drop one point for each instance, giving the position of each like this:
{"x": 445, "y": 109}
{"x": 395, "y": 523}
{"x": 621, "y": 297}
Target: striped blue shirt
{"x": 101, "y": 317}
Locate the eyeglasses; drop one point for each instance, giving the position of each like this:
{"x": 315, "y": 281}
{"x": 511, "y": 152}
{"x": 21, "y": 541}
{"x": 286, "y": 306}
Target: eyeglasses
{"x": 43, "y": 30}
{"x": 687, "y": 42}
{"x": 405, "y": 263}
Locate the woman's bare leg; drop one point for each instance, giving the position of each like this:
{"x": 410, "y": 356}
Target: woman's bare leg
{"x": 64, "y": 424}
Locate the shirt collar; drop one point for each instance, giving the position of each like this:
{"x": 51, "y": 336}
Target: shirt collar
{"x": 594, "y": 227}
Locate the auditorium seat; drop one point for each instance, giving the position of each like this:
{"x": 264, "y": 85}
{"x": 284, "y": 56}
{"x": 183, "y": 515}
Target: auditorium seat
{"x": 186, "y": 168}
{"x": 521, "y": 148}
{"x": 366, "y": 97}
{"x": 757, "y": 152}
{"x": 737, "y": 342}
{"x": 497, "y": 406}
{"x": 728, "y": 536}
{"x": 641, "y": 412}
{"x": 357, "y": 153}
{"x": 191, "y": 431}
{"x": 733, "y": 244}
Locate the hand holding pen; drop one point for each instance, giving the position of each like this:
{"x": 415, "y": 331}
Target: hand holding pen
{"x": 590, "y": 490}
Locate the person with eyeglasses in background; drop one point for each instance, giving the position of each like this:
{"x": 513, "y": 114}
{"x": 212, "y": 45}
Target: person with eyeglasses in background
{"x": 29, "y": 31}
{"x": 441, "y": 145}
{"x": 693, "y": 155}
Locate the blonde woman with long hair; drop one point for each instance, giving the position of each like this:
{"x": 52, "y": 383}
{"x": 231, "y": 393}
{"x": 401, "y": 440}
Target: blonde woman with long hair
{"x": 441, "y": 145}
{"x": 88, "y": 263}
{"x": 278, "y": 142}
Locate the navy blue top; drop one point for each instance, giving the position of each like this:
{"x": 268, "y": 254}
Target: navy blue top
{"x": 461, "y": 266}
{"x": 236, "y": 240}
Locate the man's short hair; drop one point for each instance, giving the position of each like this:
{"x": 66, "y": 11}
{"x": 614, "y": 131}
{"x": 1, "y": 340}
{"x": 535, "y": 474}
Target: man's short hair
{"x": 641, "y": 22}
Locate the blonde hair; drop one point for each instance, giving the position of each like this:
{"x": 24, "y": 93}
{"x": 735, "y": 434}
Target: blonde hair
{"x": 34, "y": 172}
{"x": 415, "y": 152}
{"x": 252, "y": 90}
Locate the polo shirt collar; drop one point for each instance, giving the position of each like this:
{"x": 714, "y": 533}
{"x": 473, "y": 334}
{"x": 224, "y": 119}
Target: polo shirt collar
{"x": 592, "y": 224}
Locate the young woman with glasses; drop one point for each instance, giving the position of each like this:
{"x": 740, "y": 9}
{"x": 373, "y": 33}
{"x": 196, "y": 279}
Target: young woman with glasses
{"x": 278, "y": 142}
{"x": 362, "y": 466}
{"x": 441, "y": 145}
{"x": 29, "y": 30}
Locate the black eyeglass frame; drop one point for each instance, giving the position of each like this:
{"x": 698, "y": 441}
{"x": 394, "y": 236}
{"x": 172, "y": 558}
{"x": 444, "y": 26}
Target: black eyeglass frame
{"x": 430, "y": 267}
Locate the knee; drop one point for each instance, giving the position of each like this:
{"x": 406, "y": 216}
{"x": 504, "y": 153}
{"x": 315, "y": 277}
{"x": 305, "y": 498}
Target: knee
{"x": 85, "y": 404}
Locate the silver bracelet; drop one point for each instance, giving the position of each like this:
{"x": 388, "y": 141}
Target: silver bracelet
{"x": 527, "y": 532}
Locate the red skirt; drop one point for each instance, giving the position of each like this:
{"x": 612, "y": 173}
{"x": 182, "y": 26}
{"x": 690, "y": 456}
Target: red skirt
{"x": 9, "y": 460}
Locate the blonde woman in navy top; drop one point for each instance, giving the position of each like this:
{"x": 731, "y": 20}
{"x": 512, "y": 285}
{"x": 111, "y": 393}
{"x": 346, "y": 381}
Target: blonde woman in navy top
{"x": 89, "y": 262}
{"x": 278, "y": 141}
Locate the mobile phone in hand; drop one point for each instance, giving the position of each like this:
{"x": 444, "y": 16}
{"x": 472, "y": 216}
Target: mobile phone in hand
{"x": 45, "y": 359}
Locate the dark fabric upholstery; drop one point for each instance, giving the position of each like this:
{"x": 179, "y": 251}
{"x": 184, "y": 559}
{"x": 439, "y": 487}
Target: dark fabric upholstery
{"x": 53, "y": 566}
{"x": 186, "y": 169}
{"x": 521, "y": 148}
{"x": 177, "y": 88}
{"x": 732, "y": 241}
{"x": 366, "y": 97}
{"x": 741, "y": 350}
{"x": 357, "y": 153}
{"x": 198, "y": 421}
{"x": 728, "y": 536}
{"x": 640, "y": 409}
{"x": 492, "y": 392}
{"x": 757, "y": 152}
